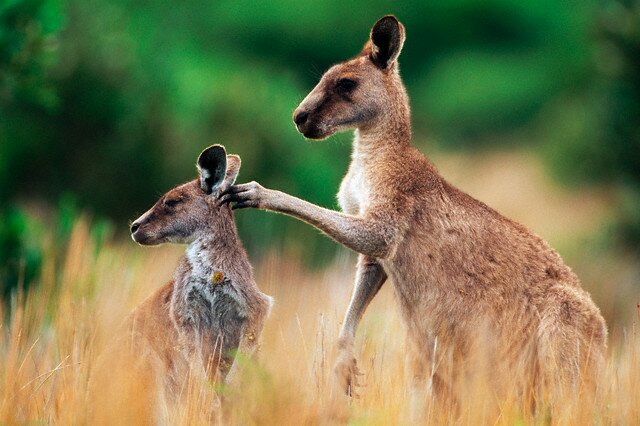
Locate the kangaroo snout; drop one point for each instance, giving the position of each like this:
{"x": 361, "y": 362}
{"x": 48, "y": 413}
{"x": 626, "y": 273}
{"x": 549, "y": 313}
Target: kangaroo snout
{"x": 310, "y": 124}
{"x": 134, "y": 227}
{"x": 304, "y": 124}
{"x": 300, "y": 117}
{"x": 309, "y": 116}
{"x": 138, "y": 235}
{"x": 144, "y": 230}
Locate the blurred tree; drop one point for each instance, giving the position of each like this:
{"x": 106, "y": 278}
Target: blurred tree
{"x": 27, "y": 49}
{"x": 592, "y": 132}
{"x": 28, "y": 31}
{"x": 620, "y": 68}
{"x": 20, "y": 253}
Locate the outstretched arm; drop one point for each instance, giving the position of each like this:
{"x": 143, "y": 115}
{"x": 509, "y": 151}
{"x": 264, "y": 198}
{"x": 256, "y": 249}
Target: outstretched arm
{"x": 370, "y": 235}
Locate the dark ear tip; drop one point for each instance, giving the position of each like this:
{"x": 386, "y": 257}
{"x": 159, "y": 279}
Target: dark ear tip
{"x": 389, "y": 18}
{"x": 386, "y": 22}
{"x": 214, "y": 151}
{"x": 386, "y": 28}
{"x": 387, "y": 37}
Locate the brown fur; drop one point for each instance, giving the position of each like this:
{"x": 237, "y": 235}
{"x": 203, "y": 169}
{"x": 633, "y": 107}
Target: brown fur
{"x": 465, "y": 276}
{"x": 213, "y": 307}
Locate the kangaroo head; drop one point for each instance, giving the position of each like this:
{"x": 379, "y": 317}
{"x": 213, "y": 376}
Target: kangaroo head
{"x": 191, "y": 209}
{"x": 354, "y": 93}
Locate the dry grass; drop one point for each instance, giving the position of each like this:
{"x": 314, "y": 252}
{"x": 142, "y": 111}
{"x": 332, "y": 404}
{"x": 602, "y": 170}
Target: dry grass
{"x": 54, "y": 334}
{"x": 51, "y": 339}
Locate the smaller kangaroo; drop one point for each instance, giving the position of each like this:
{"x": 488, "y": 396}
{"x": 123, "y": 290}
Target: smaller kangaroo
{"x": 213, "y": 307}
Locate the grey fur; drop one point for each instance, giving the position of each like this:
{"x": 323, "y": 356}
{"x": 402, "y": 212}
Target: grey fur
{"x": 213, "y": 308}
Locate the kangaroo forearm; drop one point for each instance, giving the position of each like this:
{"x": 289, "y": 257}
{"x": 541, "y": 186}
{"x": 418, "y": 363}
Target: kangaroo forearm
{"x": 370, "y": 277}
{"x": 362, "y": 235}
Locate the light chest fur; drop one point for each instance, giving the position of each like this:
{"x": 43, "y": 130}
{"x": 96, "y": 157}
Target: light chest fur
{"x": 355, "y": 191}
{"x": 211, "y": 310}
{"x": 208, "y": 311}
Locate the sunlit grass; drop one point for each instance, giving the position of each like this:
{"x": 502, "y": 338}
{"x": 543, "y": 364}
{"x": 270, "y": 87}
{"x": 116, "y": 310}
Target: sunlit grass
{"x": 53, "y": 336}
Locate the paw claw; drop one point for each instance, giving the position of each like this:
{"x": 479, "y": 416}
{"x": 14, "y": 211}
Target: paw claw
{"x": 348, "y": 374}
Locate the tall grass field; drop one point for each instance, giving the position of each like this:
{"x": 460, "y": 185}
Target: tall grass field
{"x": 54, "y": 337}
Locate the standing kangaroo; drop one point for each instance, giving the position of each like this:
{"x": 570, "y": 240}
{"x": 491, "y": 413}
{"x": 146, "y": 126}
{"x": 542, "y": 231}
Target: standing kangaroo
{"x": 458, "y": 267}
{"x": 213, "y": 307}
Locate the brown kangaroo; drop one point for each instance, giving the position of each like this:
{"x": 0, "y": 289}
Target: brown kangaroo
{"x": 461, "y": 271}
{"x": 213, "y": 307}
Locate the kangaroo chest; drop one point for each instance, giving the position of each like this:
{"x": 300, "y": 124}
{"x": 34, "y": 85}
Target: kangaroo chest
{"x": 210, "y": 316}
{"x": 208, "y": 310}
{"x": 210, "y": 305}
{"x": 354, "y": 193}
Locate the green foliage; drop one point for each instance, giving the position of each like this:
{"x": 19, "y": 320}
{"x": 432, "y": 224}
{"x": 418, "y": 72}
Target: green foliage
{"x": 27, "y": 29}
{"x": 26, "y": 239}
{"x": 27, "y": 46}
{"x": 593, "y": 136}
{"x": 19, "y": 250}
{"x": 112, "y": 100}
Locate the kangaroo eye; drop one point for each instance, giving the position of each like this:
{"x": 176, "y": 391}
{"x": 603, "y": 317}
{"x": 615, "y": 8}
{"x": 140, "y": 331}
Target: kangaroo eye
{"x": 346, "y": 85}
{"x": 172, "y": 202}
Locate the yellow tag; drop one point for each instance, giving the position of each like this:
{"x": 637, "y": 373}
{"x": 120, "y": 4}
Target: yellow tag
{"x": 217, "y": 277}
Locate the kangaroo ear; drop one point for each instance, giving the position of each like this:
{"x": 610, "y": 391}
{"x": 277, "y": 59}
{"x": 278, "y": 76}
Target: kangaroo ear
{"x": 387, "y": 38}
{"x": 233, "y": 168}
{"x": 212, "y": 166}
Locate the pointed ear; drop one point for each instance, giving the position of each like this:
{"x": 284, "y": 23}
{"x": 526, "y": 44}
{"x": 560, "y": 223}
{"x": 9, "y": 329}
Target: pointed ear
{"x": 212, "y": 166}
{"x": 233, "y": 168}
{"x": 387, "y": 38}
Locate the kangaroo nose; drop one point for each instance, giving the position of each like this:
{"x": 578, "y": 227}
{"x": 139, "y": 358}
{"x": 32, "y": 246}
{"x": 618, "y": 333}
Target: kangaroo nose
{"x": 134, "y": 227}
{"x": 301, "y": 118}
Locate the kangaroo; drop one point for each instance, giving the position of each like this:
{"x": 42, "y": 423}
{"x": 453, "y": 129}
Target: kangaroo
{"x": 460, "y": 270}
{"x": 213, "y": 307}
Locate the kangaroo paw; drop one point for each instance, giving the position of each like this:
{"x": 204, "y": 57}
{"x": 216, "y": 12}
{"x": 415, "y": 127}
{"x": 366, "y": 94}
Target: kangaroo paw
{"x": 348, "y": 374}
